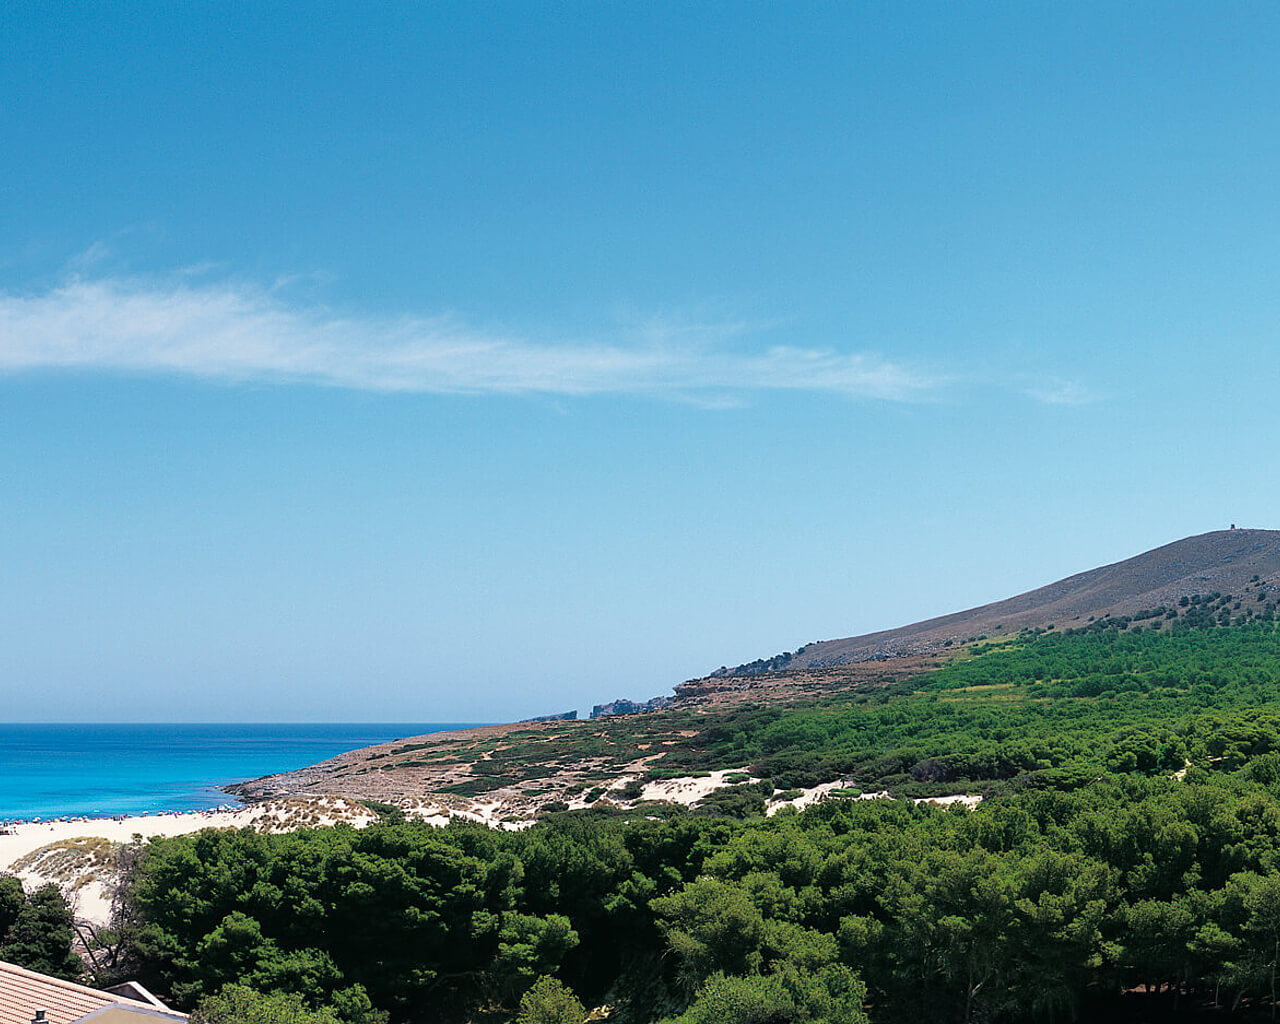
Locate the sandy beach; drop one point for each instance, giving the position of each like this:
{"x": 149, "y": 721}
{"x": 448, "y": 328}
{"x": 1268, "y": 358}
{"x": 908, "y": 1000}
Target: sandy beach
{"x": 18, "y": 840}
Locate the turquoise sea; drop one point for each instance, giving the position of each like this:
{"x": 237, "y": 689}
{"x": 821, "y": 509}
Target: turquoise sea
{"x": 50, "y": 771}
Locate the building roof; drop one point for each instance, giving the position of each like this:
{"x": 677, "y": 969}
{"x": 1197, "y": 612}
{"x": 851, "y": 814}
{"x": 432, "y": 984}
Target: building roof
{"x": 23, "y": 992}
{"x": 133, "y": 990}
{"x": 122, "y": 1014}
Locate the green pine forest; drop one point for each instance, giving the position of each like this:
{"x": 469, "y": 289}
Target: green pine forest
{"x": 1124, "y": 861}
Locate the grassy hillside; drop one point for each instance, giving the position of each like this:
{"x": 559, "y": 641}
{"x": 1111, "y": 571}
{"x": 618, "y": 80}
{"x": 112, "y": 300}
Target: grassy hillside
{"x": 1041, "y": 710}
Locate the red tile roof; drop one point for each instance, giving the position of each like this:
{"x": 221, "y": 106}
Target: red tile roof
{"x": 23, "y": 992}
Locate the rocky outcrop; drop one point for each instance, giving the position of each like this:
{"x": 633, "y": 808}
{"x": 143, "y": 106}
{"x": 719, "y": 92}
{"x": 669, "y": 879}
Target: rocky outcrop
{"x": 694, "y": 688}
{"x": 622, "y": 706}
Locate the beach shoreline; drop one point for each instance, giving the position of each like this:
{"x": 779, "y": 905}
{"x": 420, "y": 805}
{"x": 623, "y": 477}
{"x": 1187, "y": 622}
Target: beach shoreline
{"x": 18, "y": 822}
{"x": 17, "y": 834}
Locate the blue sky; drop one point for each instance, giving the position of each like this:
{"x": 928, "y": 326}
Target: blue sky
{"x": 473, "y": 361}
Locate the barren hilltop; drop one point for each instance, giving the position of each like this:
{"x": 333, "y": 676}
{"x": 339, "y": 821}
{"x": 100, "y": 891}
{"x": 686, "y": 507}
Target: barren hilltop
{"x": 1223, "y": 561}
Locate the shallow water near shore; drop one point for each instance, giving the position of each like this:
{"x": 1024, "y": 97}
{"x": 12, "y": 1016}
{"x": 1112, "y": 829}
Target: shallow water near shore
{"x": 62, "y": 770}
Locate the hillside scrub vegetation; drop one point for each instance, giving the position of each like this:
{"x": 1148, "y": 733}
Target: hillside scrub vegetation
{"x": 1128, "y": 848}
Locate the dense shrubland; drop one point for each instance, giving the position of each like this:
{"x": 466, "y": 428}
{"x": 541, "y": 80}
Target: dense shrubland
{"x": 1036, "y": 905}
{"x": 36, "y": 929}
{"x": 1052, "y": 710}
{"x": 1129, "y": 842}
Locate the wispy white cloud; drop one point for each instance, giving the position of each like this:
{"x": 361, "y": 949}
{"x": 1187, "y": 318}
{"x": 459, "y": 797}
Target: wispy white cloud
{"x": 1062, "y": 392}
{"x": 234, "y": 332}
{"x": 95, "y": 254}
